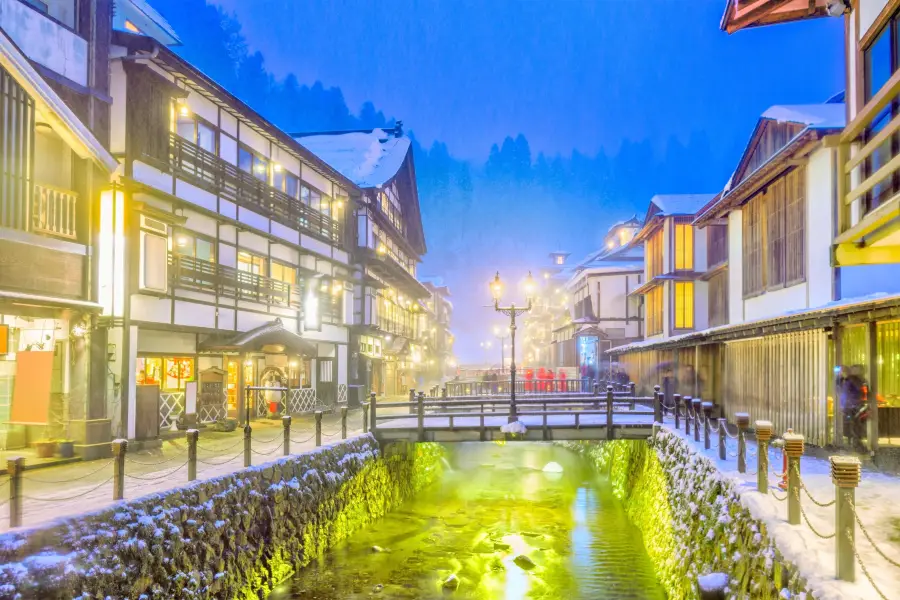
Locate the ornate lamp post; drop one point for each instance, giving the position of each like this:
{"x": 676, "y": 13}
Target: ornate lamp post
{"x": 512, "y": 312}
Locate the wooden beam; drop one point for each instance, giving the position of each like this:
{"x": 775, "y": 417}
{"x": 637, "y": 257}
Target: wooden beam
{"x": 874, "y": 179}
{"x": 872, "y": 368}
{"x": 849, "y": 254}
{"x": 868, "y": 113}
{"x": 873, "y": 144}
{"x": 749, "y": 16}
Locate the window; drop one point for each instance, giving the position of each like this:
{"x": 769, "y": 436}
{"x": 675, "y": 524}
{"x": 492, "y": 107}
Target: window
{"x": 131, "y": 27}
{"x": 774, "y": 203}
{"x": 169, "y": 373}
{"x": 189, "y": 244}
{"x": 718, "y": 299}
{"x": 881, "y": 60}
{"x": 252, "y": 163}
{"x": 251, "y": 263}
{"x": 284, "y": 273}
{"x": 795, "y": 226}
{"x": 559, "y": 260}
{"x": 753, "y": 250}
{"x": 684, "y": 305}
{"x": 195, "y": 130}
{"x": 684, "y": 247}
{"x": 655, "y": 254}
{"x": 285, "y": 181}
{"x": 654, "y": 310}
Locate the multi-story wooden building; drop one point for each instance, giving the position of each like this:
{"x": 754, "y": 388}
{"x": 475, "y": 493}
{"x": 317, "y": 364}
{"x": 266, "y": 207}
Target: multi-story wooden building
{"x": 224, "y": 252}
{"x": 675, "y": 295}
{"x": 437, "y": 327}
{"x": 389, "y": 347}
{"x": 54, "y": 170}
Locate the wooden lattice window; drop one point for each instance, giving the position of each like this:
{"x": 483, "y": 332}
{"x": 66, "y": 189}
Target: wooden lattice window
{"x": 753, "y": 245}
{"x": 775, "y": 247}
{"x": 795, "y": 227}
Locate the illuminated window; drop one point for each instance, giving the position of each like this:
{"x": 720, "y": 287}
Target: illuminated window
{"x": 250, "y": 263}
{"x": 654, "y": 254}
{"x": 654, "y": 311}
{"x": 169, "y": 373}
{"x": 284, "y": 273}
{"x": 131, "y": 27}
{"x": 559, "y": 260}
{"x": 684, "y": 247}
{"x": 684, "y": 305}
{"x": 254, "y": 164}
{"x": 188, "y": 244}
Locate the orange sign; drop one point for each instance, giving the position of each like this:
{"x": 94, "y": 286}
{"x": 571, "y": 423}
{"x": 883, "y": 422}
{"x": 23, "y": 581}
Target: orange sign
{"x": 31, "y": 391}
{"x": 4, "y": 339}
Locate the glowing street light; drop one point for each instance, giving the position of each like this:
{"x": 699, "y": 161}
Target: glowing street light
{"x": 512, "y": 312}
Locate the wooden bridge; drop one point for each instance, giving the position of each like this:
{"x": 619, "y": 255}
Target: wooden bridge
{"x": 540, "y": 415}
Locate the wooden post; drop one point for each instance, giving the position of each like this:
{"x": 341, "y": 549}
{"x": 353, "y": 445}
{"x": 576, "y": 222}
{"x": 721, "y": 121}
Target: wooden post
{"x": 609, "y": 412}
{"x": 657, "y": 406}
{"x": 793, "y": 449}
{"x": 192, "y": 435}
{"x": 872, "y": 366}
{"x": 698, "y": 409}
{"x": 343, "y": 422}
{"x": 676, "y": 398}
{"x": 836, "y": 409}
{"x": 596, "y": 396}
{"x": 412, "y": 401}
{"x": 119, "y": 447}
{"x": 707, "y": 413}
{"x": 318, "y": 428}
{"x": 763, "y": 435}
{"x": 286, "y": 432}
{"x": 365, "y": 415}
{"x": 444, "y": 393}
{"x": 688, "y": 414}
{"x": 743, "y": 422}
{"x": 669, "y": 393}
{"x": 631, "y": 390}
{"x": 373, "y": 425}
{"x": 247, "y": 438}
{"x": 420, "y": 408}
{"x": 696, "y": 382}
{"x": 14, "y": 468}
{"x": 723, "y": 433}
{"x": 845, "y": 473}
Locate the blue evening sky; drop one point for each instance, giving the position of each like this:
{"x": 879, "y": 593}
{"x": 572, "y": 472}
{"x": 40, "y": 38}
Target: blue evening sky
{"x": 568, "y": 74}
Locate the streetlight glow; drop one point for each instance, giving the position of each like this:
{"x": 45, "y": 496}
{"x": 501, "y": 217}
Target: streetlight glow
{"x": 497, "y": 287}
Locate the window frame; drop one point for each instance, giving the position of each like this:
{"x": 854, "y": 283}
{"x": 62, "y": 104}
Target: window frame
{"x": 683, "y": 257}
{"x": 254, "y": 156}
{"x": 683, "y": 312}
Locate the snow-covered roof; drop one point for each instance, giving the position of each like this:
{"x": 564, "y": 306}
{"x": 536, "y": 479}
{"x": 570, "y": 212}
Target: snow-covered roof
{"x": 368, "y": 159}
{"x": 814, "y": 116}
{"x": 146, "y": 18}
{"x": 680, "y": 204}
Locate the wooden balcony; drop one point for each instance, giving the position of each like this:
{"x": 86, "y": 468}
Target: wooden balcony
{"x": 191, "y": 273}
{"x": 53, "y": 211}
{"x": 219, "y": 176}
{"x": 869, "y": 231}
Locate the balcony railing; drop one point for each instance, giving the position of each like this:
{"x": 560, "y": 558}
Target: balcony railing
{"x": 208, "y": 170}
{"x": 877, "y": 170}
{"x": 189, "y": 272}
{"x": 53, "y": 211}
{"x": 396, "y": 328}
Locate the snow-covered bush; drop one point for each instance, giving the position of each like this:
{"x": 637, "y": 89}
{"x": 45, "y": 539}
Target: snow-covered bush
{"x": 235, "y": 536}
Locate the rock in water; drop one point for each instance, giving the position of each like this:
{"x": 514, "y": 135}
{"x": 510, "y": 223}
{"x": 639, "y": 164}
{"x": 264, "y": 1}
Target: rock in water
{"x": 524, "y": 562}
{"x": 376, "y": 589}
{"x": 451, "y": 583}
{"x": 553, "y": 467}
{"x": 378, "y": 549}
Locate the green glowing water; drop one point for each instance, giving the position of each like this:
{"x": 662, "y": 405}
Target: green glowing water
{"x": 505, "y": 526}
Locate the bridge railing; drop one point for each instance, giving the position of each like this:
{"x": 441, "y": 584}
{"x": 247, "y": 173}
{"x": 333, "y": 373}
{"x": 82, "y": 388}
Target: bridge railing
{"x": 524, "y": 387}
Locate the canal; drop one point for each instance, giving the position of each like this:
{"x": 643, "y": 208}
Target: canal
{"x": 508, "y": 521}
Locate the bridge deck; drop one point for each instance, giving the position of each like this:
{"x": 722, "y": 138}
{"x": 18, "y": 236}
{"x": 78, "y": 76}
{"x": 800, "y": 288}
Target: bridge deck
{"x": 561, "y": 418}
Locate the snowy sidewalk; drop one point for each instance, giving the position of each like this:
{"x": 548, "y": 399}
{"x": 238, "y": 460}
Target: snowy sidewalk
{"x": 878, "y": 509}
{"x": 72, "y": 489}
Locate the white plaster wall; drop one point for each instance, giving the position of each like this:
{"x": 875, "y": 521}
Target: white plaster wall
{"x": 253, "y": 219}
{"x": 251, "y": 241}
{"x": 227, "y": 209}
{"x": 197, "y": 196}
{"x": 699, "y": 250}
{"x": 329, "y": 333}
{"x": 228, "y": 233}
{"x": 252, "y": 139}
{"x": 117, "y": 90}
{"x": 735, "y": 267}
{"x": 228, "y": 147}
{"x": 286, "y": 233}
{"x": 668, "y": 259}
{"x": 144, "y": 173}
{"x": 868, "y": 12}
{"x": 226, "y": 319}
{"x": 228, "y": 124}
{"x": 701, "y": 303}
{"x": 850, "y": 57}
{"x": 284, "y": 253}
{"x": 44, "y": 41}
{"x": 315, "y": 180}
{"x": 150, "y": 309}
{"x": 286, "y": 160}
{"x": 227, "y": 255}
{"x": 248, "y": 320}
{"x": 130, "y": 356}
{"x": 821, "y": 196}
{"x": 342, "y": 364}
{"x": 315, "y": 245}
{"x": 195, "y": 315}
{"x": 775, "y": 302}
{"x": 200, "y": 223}
{"x": 168, "y": 341}
{"x": 203, "y": 107}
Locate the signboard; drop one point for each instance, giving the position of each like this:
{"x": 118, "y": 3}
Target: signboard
{"x": 31, "y": 390}
{"x": 4, "y": 339}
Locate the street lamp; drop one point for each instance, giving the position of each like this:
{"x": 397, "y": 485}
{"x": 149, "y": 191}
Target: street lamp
{"x": 512, "y": 312}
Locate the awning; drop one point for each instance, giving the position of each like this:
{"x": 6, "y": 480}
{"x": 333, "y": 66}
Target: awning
{"x": 272, "y": 338}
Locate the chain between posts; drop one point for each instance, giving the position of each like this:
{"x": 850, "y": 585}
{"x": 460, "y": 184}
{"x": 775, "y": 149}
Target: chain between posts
{"x": 270, "y": 452}
{"x": 810, "y": 525}
{"x": 814, "y": 501}
{"x": 774, "y": 495}
{"x": 157, "y": 478}
{"x": 869, "y": 537}
{"x": 217, "y": 464}
{"x": 80, "y": 477}
{"x": 67, "y": 498}
{"x": 863, "y": 566}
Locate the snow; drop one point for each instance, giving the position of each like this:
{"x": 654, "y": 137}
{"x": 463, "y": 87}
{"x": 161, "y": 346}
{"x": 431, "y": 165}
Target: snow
{"x": 368, "y": 159}
{"x": 713, "y": 581}
{"x": 815, "y": 557}
{"x": 680, "y": 204}
{"x": 516, "y": 427}
{"x": 815, "y": 116}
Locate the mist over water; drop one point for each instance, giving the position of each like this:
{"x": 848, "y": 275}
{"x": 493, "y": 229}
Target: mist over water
{"x": 505, "y": 524}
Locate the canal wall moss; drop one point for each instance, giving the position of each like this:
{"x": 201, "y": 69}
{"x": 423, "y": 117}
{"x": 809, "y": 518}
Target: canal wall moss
{"x": 231, "y": 537}
{"x": 691, "y": 518}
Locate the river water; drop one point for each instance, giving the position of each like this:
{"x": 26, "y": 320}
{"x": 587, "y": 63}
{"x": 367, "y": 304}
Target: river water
{"x": 505, "y": 522}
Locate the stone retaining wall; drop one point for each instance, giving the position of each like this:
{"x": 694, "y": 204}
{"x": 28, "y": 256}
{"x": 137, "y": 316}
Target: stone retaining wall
{"x": 235, "y": 536}
{"x": 692, "y": 519}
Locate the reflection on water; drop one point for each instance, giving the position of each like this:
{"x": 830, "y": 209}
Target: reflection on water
{"x": 514, "y": 521}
